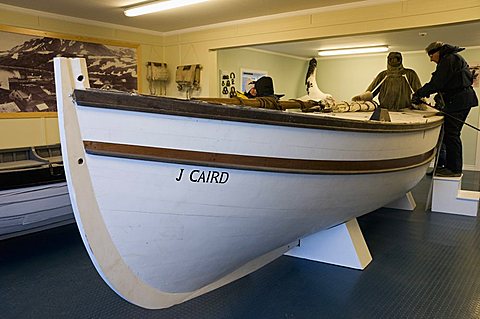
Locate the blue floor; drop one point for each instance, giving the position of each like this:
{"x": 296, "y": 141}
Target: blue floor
{"x": 425, "y": 265}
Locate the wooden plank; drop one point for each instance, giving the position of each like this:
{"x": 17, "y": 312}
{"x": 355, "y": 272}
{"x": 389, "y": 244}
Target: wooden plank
{"x": 259, "y": 163}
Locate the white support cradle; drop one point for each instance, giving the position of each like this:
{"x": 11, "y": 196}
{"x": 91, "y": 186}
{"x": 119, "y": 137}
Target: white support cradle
{"x": 448, "y": 197}
{"x": 406, "y": 202}
{"x": 342, "y": 245}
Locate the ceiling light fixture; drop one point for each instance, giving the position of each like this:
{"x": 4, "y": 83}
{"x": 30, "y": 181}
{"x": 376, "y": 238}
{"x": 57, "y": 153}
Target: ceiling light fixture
{"x": 158, "y": 6}
{"x": 374, "y": 49}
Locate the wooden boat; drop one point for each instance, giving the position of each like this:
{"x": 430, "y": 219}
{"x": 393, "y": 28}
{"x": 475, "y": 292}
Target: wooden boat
{"x": 175, "y": 198}
{"x": 33, "y": 192}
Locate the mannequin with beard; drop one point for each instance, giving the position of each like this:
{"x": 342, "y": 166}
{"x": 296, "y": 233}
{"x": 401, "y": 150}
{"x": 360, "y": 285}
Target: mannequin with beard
{"x": 394, "y": 85}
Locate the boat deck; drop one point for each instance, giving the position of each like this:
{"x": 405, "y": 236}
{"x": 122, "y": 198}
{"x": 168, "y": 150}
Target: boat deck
{"x": 424, "y": 266}
{"x": 406, "y": 116}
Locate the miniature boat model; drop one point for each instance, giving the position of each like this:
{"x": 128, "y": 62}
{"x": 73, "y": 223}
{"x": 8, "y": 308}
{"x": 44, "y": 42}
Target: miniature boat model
{"x": 175, "y": 198}
{"x": 33, "y": 192}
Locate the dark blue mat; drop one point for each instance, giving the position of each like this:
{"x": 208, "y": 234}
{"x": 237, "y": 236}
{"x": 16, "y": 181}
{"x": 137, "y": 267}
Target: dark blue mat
{"x": 425, "y": 265}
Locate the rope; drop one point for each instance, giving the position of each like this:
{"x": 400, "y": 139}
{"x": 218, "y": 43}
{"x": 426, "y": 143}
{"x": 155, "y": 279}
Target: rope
{"x": 269, "y": 103}
{"x": 303, "y": 107}
{"x": 240, "y": 100}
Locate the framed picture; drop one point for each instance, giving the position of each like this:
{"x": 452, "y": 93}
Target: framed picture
{"x": 27, "y": 81}
{"x": 248, "y": 76}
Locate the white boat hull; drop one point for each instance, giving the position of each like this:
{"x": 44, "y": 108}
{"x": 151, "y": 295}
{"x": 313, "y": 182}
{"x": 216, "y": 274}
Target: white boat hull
{"x": 265, "y": 210}
{"x": 161, "y": 230}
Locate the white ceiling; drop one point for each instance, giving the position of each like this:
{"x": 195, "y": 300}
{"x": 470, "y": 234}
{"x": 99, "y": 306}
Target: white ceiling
{"x": 202, "y": 14}
{"x": 464, "y": 35}
{"x": 228, "y": 11}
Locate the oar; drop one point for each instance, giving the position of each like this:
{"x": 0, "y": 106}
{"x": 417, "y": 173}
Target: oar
{"x": 453, "y": 117}
{"x": 459, "y": 120}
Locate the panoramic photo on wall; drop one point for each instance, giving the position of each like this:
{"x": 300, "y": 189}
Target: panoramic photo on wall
{"x": 26, "y": 69}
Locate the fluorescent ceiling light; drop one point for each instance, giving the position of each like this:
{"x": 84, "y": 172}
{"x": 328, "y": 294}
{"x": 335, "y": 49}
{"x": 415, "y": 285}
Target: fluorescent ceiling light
{"x": 158, "y": 6}
{"x": 375, "y": 49}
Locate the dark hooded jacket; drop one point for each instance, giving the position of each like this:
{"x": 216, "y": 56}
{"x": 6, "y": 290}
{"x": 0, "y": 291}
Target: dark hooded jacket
{"x": 452, "y": 79}
{"x": 395, "y": 85}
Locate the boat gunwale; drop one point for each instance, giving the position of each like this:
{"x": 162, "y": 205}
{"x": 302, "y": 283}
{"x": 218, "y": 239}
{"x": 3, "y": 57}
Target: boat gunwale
{"x": 200, "y": 109}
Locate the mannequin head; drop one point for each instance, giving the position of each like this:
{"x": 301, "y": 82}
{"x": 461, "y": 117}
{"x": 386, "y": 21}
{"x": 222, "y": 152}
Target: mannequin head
{"x": 394, "y": 59}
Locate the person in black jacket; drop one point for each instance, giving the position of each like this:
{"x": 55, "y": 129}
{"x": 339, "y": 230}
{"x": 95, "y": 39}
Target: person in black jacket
{"x": 452, "y": 80}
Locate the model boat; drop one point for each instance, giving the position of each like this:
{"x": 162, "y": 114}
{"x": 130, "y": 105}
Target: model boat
{"x": 175, "y": 198}
{"x": 33, "y": 191}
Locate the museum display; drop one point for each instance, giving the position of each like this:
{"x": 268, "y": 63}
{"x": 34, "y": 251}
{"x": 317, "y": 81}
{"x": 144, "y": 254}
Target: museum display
{"x": 174, "y": 198}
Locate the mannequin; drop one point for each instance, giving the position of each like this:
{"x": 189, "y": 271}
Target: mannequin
{"x": 394, "y": 86}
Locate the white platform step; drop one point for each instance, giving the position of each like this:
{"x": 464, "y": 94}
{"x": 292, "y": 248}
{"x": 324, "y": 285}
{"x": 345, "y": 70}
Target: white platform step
{"x": 448, "y": 197}
{"x": 341, "y": 245}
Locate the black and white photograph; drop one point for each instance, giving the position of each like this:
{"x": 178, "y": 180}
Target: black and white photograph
{"x": 26, "y": 69}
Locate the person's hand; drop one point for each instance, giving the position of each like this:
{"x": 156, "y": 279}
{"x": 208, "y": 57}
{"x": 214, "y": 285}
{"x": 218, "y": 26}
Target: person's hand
{"x": 421, "y": 107}
{"x": 439, "y": 103}
{"x": 416, "y": 100}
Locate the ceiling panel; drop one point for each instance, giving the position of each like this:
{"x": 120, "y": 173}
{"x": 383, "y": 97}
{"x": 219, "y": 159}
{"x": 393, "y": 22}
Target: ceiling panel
{"x": 463, "y": 34}
{"x": 220, "y": 11}
{"x": 202, "y": 14}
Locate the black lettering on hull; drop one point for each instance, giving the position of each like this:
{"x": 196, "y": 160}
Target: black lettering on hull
{"x": 205, "y": 177}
